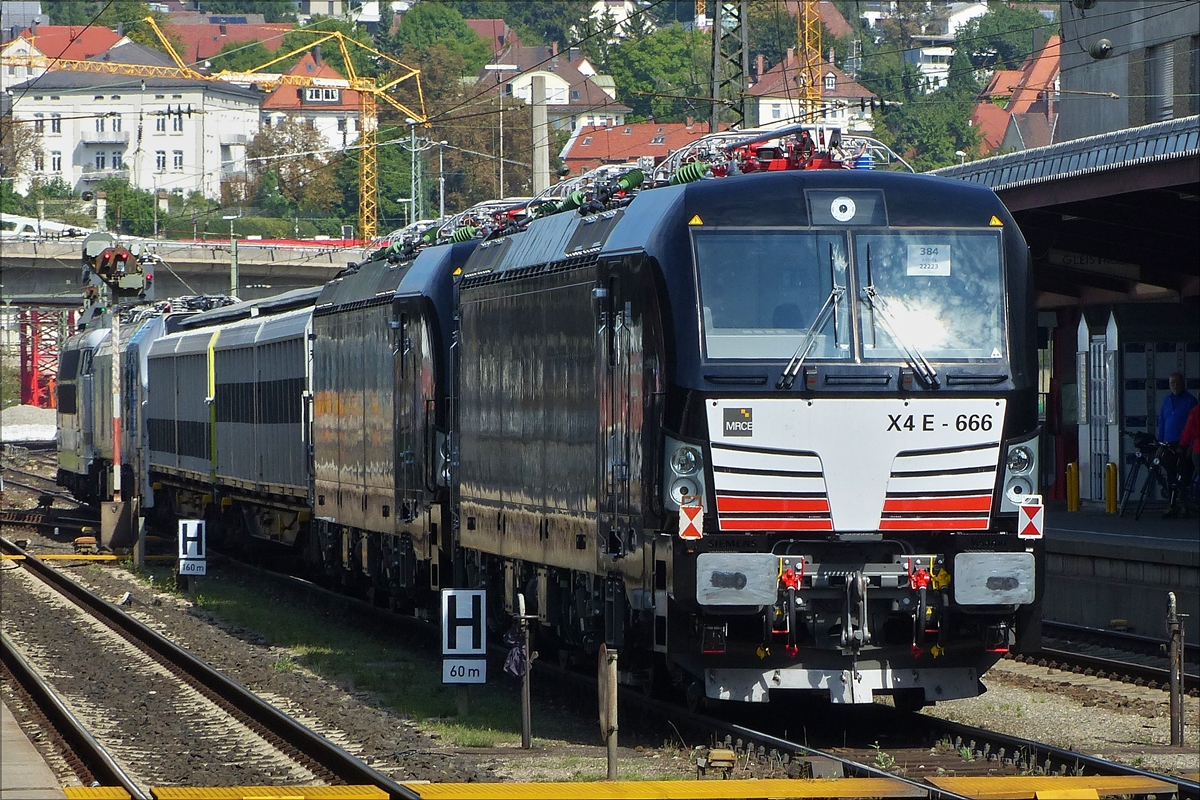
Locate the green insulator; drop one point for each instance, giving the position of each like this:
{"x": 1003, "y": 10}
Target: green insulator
{"x": 545, "y": 209}
{"x": 429, "y": 236}
{"x": 572, "y": 201}
{"x": 463, "y": 234}
{"x": 631, "y": 180}
{"x": 689, "y": 172}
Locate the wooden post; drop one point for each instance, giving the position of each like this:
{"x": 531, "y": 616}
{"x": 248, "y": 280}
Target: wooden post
{"x": 607, "y": 681}
{"x": 1175, "y": 657}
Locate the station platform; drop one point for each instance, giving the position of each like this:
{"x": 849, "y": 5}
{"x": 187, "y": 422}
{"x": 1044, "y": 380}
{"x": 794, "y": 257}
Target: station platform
{"x": 1107, "y": 571}
{"x": 24, "y": 774}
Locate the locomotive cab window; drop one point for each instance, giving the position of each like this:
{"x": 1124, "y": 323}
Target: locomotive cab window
{"x": 939, "y": 293}
{"x": 763, "y": 291}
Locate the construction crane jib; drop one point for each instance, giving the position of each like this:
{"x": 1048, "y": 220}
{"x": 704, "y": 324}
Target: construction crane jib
{"x": 808, "y": 36}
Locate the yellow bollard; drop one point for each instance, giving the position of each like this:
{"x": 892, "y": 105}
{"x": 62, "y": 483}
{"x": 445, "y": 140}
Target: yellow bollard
{"x": 1073, "y": 486}
{"x": 1110, "y": 488}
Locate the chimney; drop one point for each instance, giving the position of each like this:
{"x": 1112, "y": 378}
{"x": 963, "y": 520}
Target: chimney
{"x": 759, "y": 65}
{"x": 831, "y": 54}
{"x": 573, "y": 54}
{"x": 791, "y": 57}
{"x": 33, "y": 26}
{"x": 120, "y": 29}
{"x": 554, "y": 48}
{"x": 691, "y": 121}
{"x": 316, "y": 53}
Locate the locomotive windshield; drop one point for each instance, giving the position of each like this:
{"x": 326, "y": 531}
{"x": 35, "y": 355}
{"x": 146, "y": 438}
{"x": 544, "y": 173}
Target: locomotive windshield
{"x": 762, "y": 291}
{"x": 937, "y": 292}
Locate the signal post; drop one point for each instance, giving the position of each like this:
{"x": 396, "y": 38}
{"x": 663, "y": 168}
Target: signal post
{"x": 119, "y": 269}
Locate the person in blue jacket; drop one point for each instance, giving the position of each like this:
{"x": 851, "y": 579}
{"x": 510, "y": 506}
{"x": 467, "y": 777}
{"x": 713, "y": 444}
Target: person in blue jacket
{"x": 1174, "y": 411}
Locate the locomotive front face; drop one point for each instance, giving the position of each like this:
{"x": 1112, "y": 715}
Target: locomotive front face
{"x": 857, "y": 488}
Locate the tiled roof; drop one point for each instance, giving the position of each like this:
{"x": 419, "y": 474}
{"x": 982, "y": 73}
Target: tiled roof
{"x": 72, "y": 42}
{"x": 542, "y": 59}
{"x": 203, "y": 41}
{"x": 781, "y": 81}
{"x": 495, "y": 31}
{"x": 992, "y": 122}
{"x": 1022, "y": 87}
{"x": 593, "y": 145}
{"x": 287, "y": 98}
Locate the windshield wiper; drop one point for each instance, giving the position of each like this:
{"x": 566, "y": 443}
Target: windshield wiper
{"x": 829, "y": 309}
{"x": 915, "y": 358}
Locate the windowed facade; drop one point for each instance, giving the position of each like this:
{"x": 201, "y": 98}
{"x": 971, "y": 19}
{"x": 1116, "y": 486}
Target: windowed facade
{"x": 116, "y": 123}
{"x": 830, "y": 82}
{"x": 100, "y": 124}
{"x": 101, "y": 161}
{"x": 320, "y": 94}
{"x": 118, "y": 159}
{"x": 56, "y": 123}
{"x": 160, "y": 124}
{"x": 160, "y": 160}
{"x": 177, "y": 123}
{"x": 39, "y": 161}
{"x": 776, "y": 111}
{"x": 55, "y": 161}
{"x": 177, "y": 161}
{"x": 39, "y": 123}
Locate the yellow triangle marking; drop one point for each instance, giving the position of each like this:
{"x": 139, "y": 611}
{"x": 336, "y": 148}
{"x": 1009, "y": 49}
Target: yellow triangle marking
{"x": 995, "y": 222}
{"x": 695, "y": 220}
{"x": 458, "y": 270}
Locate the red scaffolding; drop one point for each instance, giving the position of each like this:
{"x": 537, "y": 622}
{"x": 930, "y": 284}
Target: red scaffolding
{"x": 39, "y": 333}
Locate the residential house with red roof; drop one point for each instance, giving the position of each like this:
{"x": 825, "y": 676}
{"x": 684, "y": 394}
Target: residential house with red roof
{"x": 591, "y": 146}
{"x": 203, "y": 40}
{"x": 37, "y": 47}
{"x": 844, "y": 102}
{"x": 331, "y": 110}
{"x": 572, "y": 98}
{"x": 1017, "y": 110}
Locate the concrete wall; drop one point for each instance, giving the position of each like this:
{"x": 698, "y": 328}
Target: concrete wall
{"x": 1134, "y": 28}
{"x": 1092, "y": 585}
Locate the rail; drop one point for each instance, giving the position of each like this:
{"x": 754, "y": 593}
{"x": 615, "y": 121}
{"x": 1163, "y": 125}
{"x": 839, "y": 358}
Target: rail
{"x": 316, "y": 747}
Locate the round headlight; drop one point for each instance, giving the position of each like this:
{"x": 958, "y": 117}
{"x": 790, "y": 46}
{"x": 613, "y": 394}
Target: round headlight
{"x": 685, "y": 461}
{"x": 683, "y": 487}
{"x": 1020, "y": 460}
{"x": 1016, "y": 490}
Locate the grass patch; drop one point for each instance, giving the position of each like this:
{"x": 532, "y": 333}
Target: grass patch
{"x": 348, "y": 648}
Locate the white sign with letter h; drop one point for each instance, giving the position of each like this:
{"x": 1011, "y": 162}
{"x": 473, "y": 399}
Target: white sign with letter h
{"x": 192, "y": 547}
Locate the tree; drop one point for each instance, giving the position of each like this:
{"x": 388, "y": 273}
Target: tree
{"x": 19, "y": 144}
{"x": 272, "y": 10}
{"x": 535, "y": 21}
{"x": 1004, "y": 36}
{"x": 130, "y": 210}
{"x": 291, "y": 158}
{"x": 429, "y": 24}
{"x": 129, "y": 15}
{"x": 70, "y": 12}
{"x": 671, "y": 61}
{"x": 365, "y": 63}
{"x": 240, "y": 57}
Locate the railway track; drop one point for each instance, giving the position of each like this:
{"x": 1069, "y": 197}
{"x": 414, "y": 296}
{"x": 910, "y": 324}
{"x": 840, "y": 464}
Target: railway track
{"x": 176, "y": 720}
{"x": 864, "y": 742}
{"x": 1125, "y": 657}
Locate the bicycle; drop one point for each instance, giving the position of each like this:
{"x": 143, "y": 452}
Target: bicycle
{"x": 1159, "y": 460}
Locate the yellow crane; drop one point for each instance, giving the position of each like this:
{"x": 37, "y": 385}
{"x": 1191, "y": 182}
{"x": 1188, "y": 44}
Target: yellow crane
{"x": 370, "y": 92}
{"x": 808, "y": 36}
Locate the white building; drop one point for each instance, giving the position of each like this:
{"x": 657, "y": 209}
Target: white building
{"x": 844, "y": 103}
{"x": 95, "y": 126}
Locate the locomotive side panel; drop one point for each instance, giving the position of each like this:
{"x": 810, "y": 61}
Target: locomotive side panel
{"x": 377, "y": 499}
{"x": 282, "y": 369}
{"x": 528, "y": 419}
{"x": 237, "y": 428}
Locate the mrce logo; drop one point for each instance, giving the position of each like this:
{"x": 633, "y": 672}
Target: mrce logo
{"x": 739, "y": 422}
